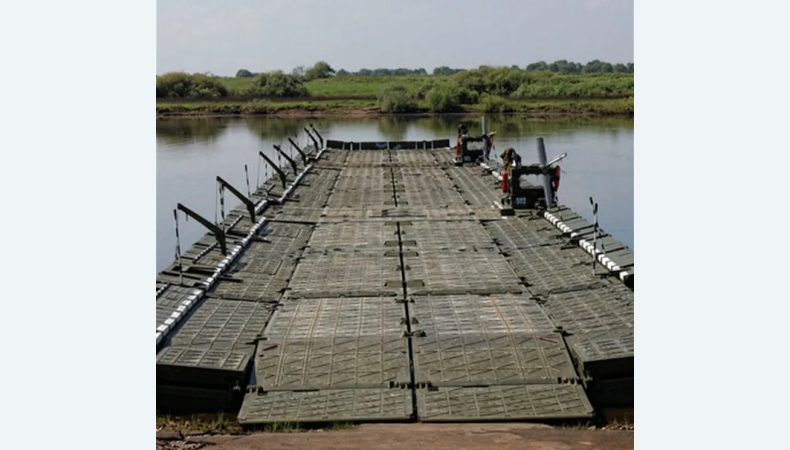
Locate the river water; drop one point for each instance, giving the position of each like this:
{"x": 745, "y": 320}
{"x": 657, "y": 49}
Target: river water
{"x": 191, "y": 152}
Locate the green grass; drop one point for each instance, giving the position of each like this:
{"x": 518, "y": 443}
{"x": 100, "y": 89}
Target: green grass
{"x": 547, "y": 107}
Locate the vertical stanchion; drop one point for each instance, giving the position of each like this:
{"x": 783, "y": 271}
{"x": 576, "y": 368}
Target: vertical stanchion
{"x": 247, "y": 177}
{"x": 547, "y": 191}
{"x": 178, "y": 249}
{"x": 595, "y": 233}
{"x": 222, "y": 204}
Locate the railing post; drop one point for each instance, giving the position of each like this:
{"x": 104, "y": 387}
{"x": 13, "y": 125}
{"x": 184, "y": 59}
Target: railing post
{"x": 547, "y": 191}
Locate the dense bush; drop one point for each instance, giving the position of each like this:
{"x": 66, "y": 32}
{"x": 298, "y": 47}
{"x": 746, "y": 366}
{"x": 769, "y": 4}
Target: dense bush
{"x": 244, "y": 73}
{"x": 277, "y": 84}
{"x": 494, "y": 104}
{"x": 184, "y": 85}
{"x": 574, "y": 86}
{"x": 443, "y": 97}
{"x": 491, "y": 80}
{"x": 396, "y": 99}
{"x": 321, "y": 69}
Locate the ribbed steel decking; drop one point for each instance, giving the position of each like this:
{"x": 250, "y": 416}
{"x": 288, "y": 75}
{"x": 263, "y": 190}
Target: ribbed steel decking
{"x": 383, "y": 284}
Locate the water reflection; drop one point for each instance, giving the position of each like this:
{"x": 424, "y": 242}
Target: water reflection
{"x": 393, "y": 128}
{"x": 191, "y": 152}
{"x": 275, "y": 129}
{"x": 189, "y": 130}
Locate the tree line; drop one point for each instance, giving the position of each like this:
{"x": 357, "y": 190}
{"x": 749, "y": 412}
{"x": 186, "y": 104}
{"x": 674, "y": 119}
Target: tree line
{"x": 322, "y": 69}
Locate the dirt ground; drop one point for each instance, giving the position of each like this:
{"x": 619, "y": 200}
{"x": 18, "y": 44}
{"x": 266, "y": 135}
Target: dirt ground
{"x": 412, "y": 436}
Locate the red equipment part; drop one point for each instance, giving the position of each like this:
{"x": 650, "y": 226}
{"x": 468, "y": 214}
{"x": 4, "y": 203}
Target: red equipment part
{"x": 555, "y": 179}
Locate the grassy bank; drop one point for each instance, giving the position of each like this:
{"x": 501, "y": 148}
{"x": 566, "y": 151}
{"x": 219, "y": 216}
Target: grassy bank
{"x": 496, "y": 91}
{"x": 362, "y": 107}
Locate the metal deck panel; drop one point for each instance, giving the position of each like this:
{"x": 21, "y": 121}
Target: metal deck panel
{"x": 351, "y": 182}
{"x": 265, "y": 259}
{"x": 333, "y": 157}
{"x": 423, "y": 183}
{"x": 604, "y": 353}
{"x": 292, "y": 212}
{"x": 605, "y": 309}
{"x": 547, "y": 269}
{"x": 417, "y": 212}
{"x": 427, "y": 172}
{"x": 349, "y": 273}
{"x": 312, "y": 199}
{"x": 361, "y": 199}
{"x": 253, "y": 287}
{"x": 326, "y": 406}
{"x": 205, "y": 255}
{"x": 435, "y": 198}
{"x": 476, "y": 314}
{"x": 348, "y": 214}
{"x": 476, "y": 187}
{"x": 299, "y": 233}
{"x": 623, "y": 258}
{"x": 170, "y": 300}
{"x": 445, "y": 234}
{"x": 444, "y": 156}
{"x": 369, "y": 158}
{"x": 518, "y": 233}
{"x": 332, "y": 362}
{"x": 491, "y": 359}
{"x": 474, "y": 271}
{"x": 222, "y": 359}
{"x": 354, "y": 235}
{"x": 327, "y": 317}
{"x": 382, "y": 174}
{"x": 418, "y": 157}
{"x": 222, "y": 324}
{"x": 525, "y": 402}
{"x": 262, "y": 272}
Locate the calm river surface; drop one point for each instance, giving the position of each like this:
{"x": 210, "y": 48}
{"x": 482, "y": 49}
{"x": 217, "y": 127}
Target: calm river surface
{"x": 191, "y": 152}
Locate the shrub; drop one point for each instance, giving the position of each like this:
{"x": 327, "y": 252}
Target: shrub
{"x": 494, "y": 104}
{"x": 244, "y": 73}
{"x": 491, "y": 80}
{"x": 321, "y": 69}
{"x": 443, "y": 98}
{"x": 184, "y": 85}
{"x": 396, "y": 99}
{"x": 277, "y": 84}
{"x": 602, "y": 85}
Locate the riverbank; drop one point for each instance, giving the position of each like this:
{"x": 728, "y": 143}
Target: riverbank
{"x": 475, "y": 91}
{"x": 368, "y": 107}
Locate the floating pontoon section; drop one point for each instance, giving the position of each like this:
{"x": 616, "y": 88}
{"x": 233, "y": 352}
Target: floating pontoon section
{"x": 384, "y": 285}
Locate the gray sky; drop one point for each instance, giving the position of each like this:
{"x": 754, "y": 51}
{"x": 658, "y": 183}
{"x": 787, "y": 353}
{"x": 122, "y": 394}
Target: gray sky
{"x": 222, "y": 36}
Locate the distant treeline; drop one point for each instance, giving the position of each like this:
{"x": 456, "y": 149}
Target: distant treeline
{"x": 561, "y": 66}
{"x": 594, "y": 66}
{"x": 323, "y": 70}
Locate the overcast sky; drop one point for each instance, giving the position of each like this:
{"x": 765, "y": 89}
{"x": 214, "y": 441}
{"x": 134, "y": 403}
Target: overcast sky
{"x": 222, "y": 36}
